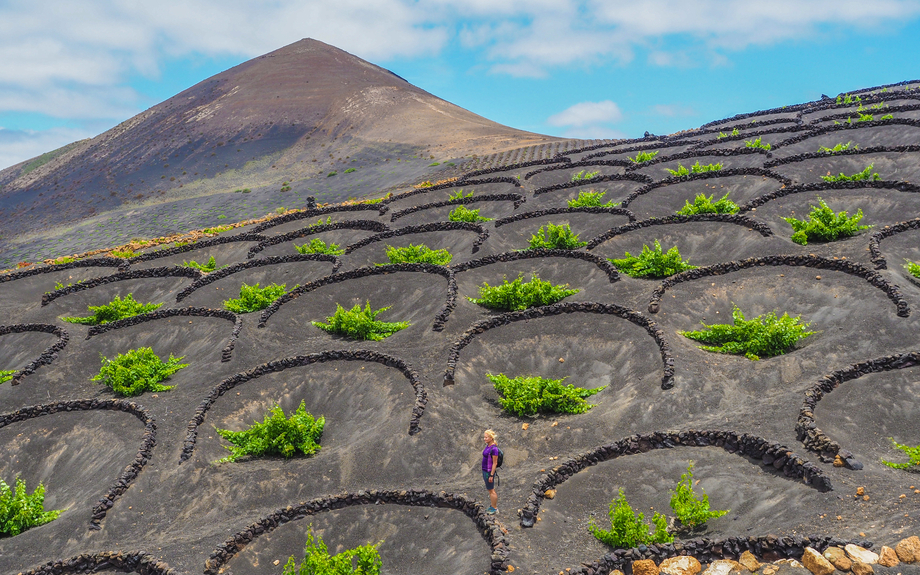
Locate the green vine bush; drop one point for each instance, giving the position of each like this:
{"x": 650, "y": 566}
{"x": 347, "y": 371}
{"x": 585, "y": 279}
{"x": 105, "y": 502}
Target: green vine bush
{"x": 276, "y": 435}
{"x": 838, "y": 148}
{"x": 255, "y": 298}
{"x": 318, "y": 246}
{"x": 20, "y": 511}
{"x": 652, "y": 263}
{"x": 591, "y": 199}
{"x": 858, "y": 176}
{"x": 692, "y": 510}
{"x": 556, "y": 237}
{"x": 362, "y": 560}
{"x": 912, "y": 452}
{"x": 762, "y": 336}
{"x": 125, "y": 254}
{"x": 136, "y": 371}
{"x": 846, "y": 100}
{"x": 464, "y": 214}
{"x": 721, "y": 135}
{"x": 207, "y": 267}
{"x": 912, "y": 268}
{"x": 519, "y": 295}
{"x": 757, "y": 144}
{"x": 524, "y": 396}
{"x": 584, "y": 176}
{"x": 420, "y": 254}
{"x": 115, "y": 310}
{"x": 696, "y": 168}
{"x": 629, "y": 529}
{"x": 459, "y": 196}
{"x": 823, "y": 225}
{"x": 6, "y": 375}
{"x": 643, "y": 157}
{"x": 360, "y": 324}
{"x": 704, "y": 205}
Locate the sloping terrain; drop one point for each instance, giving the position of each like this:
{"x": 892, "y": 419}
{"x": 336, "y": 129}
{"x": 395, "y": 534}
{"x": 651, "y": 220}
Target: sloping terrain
{"x": 783, "y": 442}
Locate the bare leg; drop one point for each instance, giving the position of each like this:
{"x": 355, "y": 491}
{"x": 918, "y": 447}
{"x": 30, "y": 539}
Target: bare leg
{"x": 493, "y": 498}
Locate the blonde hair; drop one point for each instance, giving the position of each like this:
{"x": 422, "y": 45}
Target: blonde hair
{"x": 490, "y": 433}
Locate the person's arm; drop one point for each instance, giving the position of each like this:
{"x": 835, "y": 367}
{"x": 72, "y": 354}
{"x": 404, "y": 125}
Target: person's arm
{"x": 494, "y": 465}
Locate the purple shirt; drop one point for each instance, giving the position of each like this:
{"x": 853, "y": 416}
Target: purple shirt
{"x": 487, "y": 454}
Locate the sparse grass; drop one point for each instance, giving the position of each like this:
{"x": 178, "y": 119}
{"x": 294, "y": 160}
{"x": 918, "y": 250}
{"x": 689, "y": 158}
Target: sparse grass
{"x": 216, "y": 229}
{"x": 207, "y": 267}
{"x": 584, "y": 176}
{"x": 276, "y": 435}
{"x": 837, "y": 148}
{"x": 124, "y": 254}
{"x": 704, "y": 205}
{"x": 255, "y": 298}
{"x": 519, "y": 295}
{"x": 555, "y": 237}
{"x": 721, "y": 135}
{"x": 360, "y": 324}
{"x": 20, "y": 510}
{"x": 762, "y": 336}
{"x": 433, "y": 164}
{"x": 318, "y": 246}
{"x": 823, "y": 225}
{"x": 913, "y": 453}
{"x": 529, "y": 395}
{"x": 332, "y": 173}
{"x": 459, "y": 196}
{"x": 362, "y": 560}
{"x": 136, "y": 371}
{"x": 629, "y": 529}
{"x": 286, "y": 186}
{"x": 591, "y": 199}
{"x": 420, "y": 254}
{"x": 643, "y": 157}
{"x": 115, "y": 310}
{"x": 692, "y": 510}
{"x": 652, "y": 263}
{"x": 64, "y": 260}
{"x": 463, "y": 214}
{"x": 6, "y": 375}
{"x": 863, "y": 175}
{"x": 694, "y": 169}
{"x": 757, "y": 144}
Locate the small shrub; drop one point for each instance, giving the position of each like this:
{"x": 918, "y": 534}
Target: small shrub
{"x": 332, "y": 173}
{"x": 6, "y": 375}
{"x": 464, "y": 214}
{"x": 255, "y": 298}
{"x": 643, "y": 157}
{"x": 420, "y": 254}
{"x": 459, "y": 196}
{"x": 115, "y": 310}
{"x": 837, "y": 148}
{"x": 433, "y": 164}
{"x": 912, "y": 452}
{"x": 846, "y": 100}
{"x": 524, "y": 396}
{"x": 64, "y": 260}
{"x": 591, "y": 199}
{"x": 652, "y": 263}
{"x": 555, "y": 237}
{"x": 721, "y": 135}
{"x": 318, "y": 246}
{"x": 762, "y": 336}
{"x": 350, "y": 170}
{"x": 360, "y": 324}
{"x": 690, "y": 509}
{"x": 207, "y": 267}
{"x": 518, "y": 295}
{"x": 912, "y": 268}
{"x": 276, "y": 435}
{"x": 704, "y": 205}
{"x": 216, "y": 229}
{"x": 823, "y": 225}
{"x": 136, "y": 371}
{"x": 887, "y": 117}
{"x": 363, "y": 560}
{"x": 863, "y": 118}
{"x": 584, "y": 176}
{"x": 629, "y": 529}
{"x": 124, "y": 254}
{"x": 694, "y": 169}
{"x": 20, "y": 511}
{"x": 320, "y": 222}
{"x": 757, "y": 144}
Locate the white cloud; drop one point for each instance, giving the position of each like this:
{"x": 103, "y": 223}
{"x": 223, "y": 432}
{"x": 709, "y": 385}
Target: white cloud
{"x": 587, "y": 113}
{"x": 20, "y": 145}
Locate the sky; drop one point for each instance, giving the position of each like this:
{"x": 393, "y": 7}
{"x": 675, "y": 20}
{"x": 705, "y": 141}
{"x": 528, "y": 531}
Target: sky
{"x": 572, "y": 68}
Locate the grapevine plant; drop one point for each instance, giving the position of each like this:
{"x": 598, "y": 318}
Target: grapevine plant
{"x": 318, "y": 246}
{"x": 629, "y": 529}
{"x": 591, "y": 199}
{"x": 6, "y": 375}
{"x": 696, "y": 168}
{"x": 866, "y": 174}
{"x": 519, "y": 295}
{"x": 20, "y": 510}
{"x": 652, "y": 263}
{"x": 762, "y": 336}
{"x": 555, "y": 237}
{"x": 115, "y": 310}
{"x": 276, "y": 435}
{"x": 207, "y": 267}
{"x": 823, "y": 225}
{"x": 524, "y": 396}
{"x": 913, "y": 453}
{"x": 255, "y": 298}
{"x": 420, "y": 254}
{"x": 136, "y": 371}
{"x": 360, "y": 324}
{"x": 362, "y": 560}
{"x": 704, "y": 205}
{"x": 692, "y": 510}
{"x": 463, "y": 214}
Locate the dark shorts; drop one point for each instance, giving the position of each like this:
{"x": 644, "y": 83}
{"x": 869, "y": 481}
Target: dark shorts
{"x": 489, "y": 484}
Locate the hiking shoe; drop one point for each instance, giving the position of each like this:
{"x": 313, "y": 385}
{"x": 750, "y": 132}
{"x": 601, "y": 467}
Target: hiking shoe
{"x": 491, "y": 510}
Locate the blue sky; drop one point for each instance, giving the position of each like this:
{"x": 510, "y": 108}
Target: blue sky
{"x": 575, "y": 68}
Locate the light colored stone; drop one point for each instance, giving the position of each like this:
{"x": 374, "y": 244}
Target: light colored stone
{"x": 860, "y": 568}
{"x": 816, "y": 563}
{"x": 682, "y": 565}
{"x": 908, "y": 550}
{"x": 617, "y": 572}
{"x": 644, "y": 567}
{"x": 887, "y": 557}
{"x": 789, "y": 563}
{"x": 723, "y": 567}
{"x": 860, "y": 554}
{"x": 549, "y": 493}
{"x": 769, "y": 570}
{"x": 838, "y": 558}
{"x": 749, "y": 562}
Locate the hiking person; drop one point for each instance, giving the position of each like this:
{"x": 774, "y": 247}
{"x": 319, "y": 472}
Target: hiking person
{"x": 489, "y": 467}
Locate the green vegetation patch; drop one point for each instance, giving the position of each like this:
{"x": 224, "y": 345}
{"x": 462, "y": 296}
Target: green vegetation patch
{"x": 420, "y": 254}
{"x": 858, "y": 176}
{"x": 255, "y": 298}
{"x": 762, "y": 336}
{"x": 136, "y": 371}
{"x": 276, "y": 435}
{"x": 912, "y": 452}
{"x": 6, "y": 375}
{"x": 629, "y": 529}
{"x": 823, "y": 225}
{"x": 912, "y": 268}
{"x": 207, "y": 267}
{"x": 519, "y": 295}
{"x": 459, "y": 196}
{"x": 652, "y": 263}
{"x": 20, "y": 510}
{"x": 524, "y": 396}
{"x": 757, "y": 144}
{"x": 696, "y": 168}
{"x": 643, "y": 157}
{"x": 838, "y": 148}
{"x": 360, "y": 324}
{"x": 124, "y": 254}
{"x": 464, "y": 214}
{"x": 47, "y": 157}
{"x": 555, "y": 237}
{"x": 721, "y": 135}
{"x": 691, "y": 509}
{"x": 115, "y": 310}
{"x": 318, "y": 246}
{"x": 591, "y": 199}
{"x": 362, "y": 560}
{"x": 349, "y": 170}
{"x": 704, "y": 205}
{"x": 582, "y": 175}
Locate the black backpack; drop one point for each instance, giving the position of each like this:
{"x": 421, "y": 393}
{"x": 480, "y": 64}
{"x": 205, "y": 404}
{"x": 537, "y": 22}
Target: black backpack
{"x": 501, "y": 457}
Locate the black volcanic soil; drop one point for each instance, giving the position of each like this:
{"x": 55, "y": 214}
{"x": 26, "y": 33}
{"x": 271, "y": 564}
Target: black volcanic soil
{"x": 180, "y": 513}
